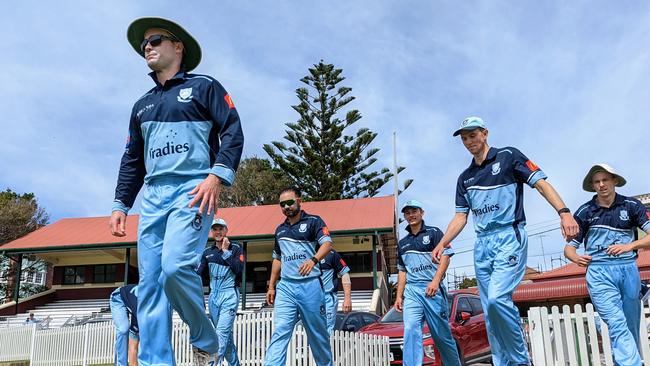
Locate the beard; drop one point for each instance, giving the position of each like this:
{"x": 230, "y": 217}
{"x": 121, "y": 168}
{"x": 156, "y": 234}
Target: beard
{"x": 292, "y": 212}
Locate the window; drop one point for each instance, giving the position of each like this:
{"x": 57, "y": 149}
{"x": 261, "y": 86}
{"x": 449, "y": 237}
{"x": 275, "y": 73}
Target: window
{"x": 38, "y": 278}
{"x": 104, "y": 273}
{"x": 73, "y": 275}
{"x": 358, "y": 261}
{"x": 463, "y": 305}
{"x": 477, "y": 309}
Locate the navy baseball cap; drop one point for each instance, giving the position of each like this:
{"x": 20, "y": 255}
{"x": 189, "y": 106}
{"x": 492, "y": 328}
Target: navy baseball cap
{"x": 412, "y": 204}
{"x": 470, "y": 123}
{"x": 219, "y": 221}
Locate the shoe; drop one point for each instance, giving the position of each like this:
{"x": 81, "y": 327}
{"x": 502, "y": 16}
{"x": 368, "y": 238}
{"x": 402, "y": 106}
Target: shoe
{"x": 202, "y": 358}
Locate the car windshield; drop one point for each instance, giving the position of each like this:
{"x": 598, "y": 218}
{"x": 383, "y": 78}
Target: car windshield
{"x": 394, "y": 316}
{"x": 339, "y": 320}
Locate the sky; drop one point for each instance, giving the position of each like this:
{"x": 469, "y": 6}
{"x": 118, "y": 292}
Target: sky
{"x": 564, "y": 82}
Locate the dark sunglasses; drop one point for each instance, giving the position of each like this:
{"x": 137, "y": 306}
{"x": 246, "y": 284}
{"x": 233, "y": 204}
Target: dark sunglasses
{"x": 287, "y": 203}
{"x": 156, "y": 40}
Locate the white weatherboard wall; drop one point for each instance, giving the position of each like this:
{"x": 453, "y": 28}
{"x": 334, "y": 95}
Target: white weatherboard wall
{"x": 92, "y": 344}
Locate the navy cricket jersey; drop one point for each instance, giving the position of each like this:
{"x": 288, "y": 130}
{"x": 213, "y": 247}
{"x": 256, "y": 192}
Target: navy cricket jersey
{"x": 188, "y": 127}
{"x": 333, "y": 267}
{"x": 129, "y": 296}
{"x": 224, "y": 266}
{"x": 414, "y": 254}
{"x": 601, "y": 227}
{"x": 296, "y": 243}
{"x": 493, "y": 191}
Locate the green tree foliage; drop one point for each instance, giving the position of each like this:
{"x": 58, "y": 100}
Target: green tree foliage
{"x": 467, "y": 283}
{"x": 320, "y": 158}
{"x": 257, "y": 183}
{"x": 20, "y": 214}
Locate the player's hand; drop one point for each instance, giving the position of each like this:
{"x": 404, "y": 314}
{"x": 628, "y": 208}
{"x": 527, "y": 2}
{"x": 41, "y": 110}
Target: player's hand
{"x": 617, "y": 249}
{"x": 306, "y": 267}
{"x": 270, "y": 296}
{"x": 582, "y": 260}
{"x": 399, "y": 304}
{"x": 436, "y": 254}
{"x": 569, "y": 226}
{"x": 207, "y": 192}
{"x": 432, "y": 288}
{"x": 117, "y": 223}
{"x": 225, "y": 244}
{"x": 347, "y": 305}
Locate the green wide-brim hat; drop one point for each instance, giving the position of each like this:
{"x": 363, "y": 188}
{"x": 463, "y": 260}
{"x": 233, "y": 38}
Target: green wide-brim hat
{"x": 135, "y": 35}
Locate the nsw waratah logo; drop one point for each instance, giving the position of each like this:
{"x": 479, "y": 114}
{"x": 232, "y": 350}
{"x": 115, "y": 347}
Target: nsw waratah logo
{"x": 426, "y": 239}
{"x": 496, "y": 168}
{"x": 623, "y": 215}
{"x": 185, "y": 95}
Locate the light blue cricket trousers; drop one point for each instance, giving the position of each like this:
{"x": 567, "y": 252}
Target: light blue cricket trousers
{"x": 419, "y": 308}
{"x": 614, "y": 291}
{"x": 500, "y": 262}
{"x": 304, "y": 297}
{"x": 331, "y": 306}
{"x": 121, "y": 321}
{"x": 223, "y": 305}
{"x": 171, "y": 239}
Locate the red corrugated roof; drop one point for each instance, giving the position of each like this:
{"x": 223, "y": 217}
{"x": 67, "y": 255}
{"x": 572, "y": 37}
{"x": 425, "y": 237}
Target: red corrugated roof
{"x": 352, "y": 215}
{"x": 557, "y": 289}
{"x": 573, "y": 270}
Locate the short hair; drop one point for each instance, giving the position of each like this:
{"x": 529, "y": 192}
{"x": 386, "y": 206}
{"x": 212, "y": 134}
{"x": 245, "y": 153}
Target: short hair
{"x": 293, "y": 189}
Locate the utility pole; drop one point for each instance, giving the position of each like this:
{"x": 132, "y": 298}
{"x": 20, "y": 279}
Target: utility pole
{"x": 396, "y": 185}
{"x": 541, "y": 242}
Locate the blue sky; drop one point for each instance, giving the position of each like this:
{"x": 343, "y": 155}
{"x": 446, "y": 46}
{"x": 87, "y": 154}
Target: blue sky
{"x": 565, "y": 82}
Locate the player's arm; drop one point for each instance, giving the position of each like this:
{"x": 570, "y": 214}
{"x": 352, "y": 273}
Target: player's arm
{"x": 641, "y": 219}
{"x": 234, "y": 258}
{"x": 454, "y": 228}
{"x": 433, "y": 286}
{"x": 571, "y": 253}
{"x": 130, "y": 178}
{"x": 275, "y": 275}
{"x": 346, "y": 282}
{"x": 308, "y": 265}
{"x": 399, "y": 297}
{"x": 567, "y": 222}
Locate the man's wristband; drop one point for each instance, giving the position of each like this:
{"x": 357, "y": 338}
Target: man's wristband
{"x": 563, "y": 210}
{"x": 314, "y": 259}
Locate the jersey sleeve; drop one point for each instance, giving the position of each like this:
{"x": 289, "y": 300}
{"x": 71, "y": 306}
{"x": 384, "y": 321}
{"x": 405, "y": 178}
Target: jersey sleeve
{"x": 580, "y": 217}
{"x": 400, "y": 262}
{"x": 461, "y": 197}
{"x": 132, "y": 169}
{"x": 236, "y": 259}
{"x": 339, "y": 265}
{"x": 524, "y": 169}
{"x": 322, "y": 233}
{"x": 448, "y": 250}
{"x": 226, "y": 138}
{"x": 277, "y": 252}
{"x": 202, "y": 269}
{"x": 642, "y": 216}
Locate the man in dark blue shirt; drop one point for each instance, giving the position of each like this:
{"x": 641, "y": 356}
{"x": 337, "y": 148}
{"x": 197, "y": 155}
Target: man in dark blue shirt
{"x": 223, "y": 262}
{"x": 334, "y": 267}
{"x": 421, "y": 294}
{"x": 124, "y": 309}
{"x": 608, "y": 228}
{"x": 301, "y": 242}
{"x": 185, "y": 141}
{"x": 492, "y": 189}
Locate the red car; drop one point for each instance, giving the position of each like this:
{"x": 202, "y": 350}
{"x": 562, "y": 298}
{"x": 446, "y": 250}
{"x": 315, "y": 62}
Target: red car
{"x": 467, "y": 327}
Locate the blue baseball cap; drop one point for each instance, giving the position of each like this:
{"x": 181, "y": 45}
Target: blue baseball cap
{"x": 219, "y": 221}
{"x": 470, "y": 123}
{"x": 412, "y": 204}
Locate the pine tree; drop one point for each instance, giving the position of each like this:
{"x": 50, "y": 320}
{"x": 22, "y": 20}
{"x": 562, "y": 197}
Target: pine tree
{"x": 321, "y": 159}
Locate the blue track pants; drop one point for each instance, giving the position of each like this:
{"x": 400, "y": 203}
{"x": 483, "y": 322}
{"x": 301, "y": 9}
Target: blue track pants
{"x": 223, "y": 311}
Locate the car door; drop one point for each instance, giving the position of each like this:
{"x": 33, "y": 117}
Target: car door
{"x": 482, "y": 343}
{"x": 353, "y": 323}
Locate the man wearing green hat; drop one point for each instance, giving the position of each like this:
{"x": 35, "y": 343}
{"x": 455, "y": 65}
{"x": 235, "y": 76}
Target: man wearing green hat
{"x": 185, "y": 141}
{"x": 608, "y": 228}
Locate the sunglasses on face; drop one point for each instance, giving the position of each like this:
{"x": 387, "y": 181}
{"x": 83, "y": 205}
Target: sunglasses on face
{"x": 156, "y": 40}
{"x": 287, "y": 203}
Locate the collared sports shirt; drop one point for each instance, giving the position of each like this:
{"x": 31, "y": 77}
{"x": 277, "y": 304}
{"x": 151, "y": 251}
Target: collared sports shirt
{"x": 601, "y": 227}
{"x": 224, "y": 266}
{"x": 493, "y": 191}
{"x": 129, "y": 296}
{"x": 296, "y": 243}
{"x": 187, "y": 127}
{"x": 414, "y": 254}
{"x": 333, "y": 268}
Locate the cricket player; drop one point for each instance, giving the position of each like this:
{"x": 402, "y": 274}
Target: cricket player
{"x": 421, "y": 294}
{"x": 185, "y": 142}
{"x": 608, "y": 229}
{"x": 492, "y": 189}
{"x": 223, "y": 262}
{"x": 301, "y": 242}
{"x": 124, "y": 309}
{"x": 333, "y": 268}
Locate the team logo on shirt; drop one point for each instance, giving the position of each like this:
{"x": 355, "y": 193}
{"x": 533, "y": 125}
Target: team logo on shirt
{"x": 322, "y": 310}
{"x": 231, "y": 312}
{"x": 302, "y": 228}
{"x": 623, "y": 215}
{"x": 512, "y": 260}
{"x": 185, "y": 95}
{"x": 496, "y": 168}
{"x": 197, "y": 222}
{"x": 426, "y": 239}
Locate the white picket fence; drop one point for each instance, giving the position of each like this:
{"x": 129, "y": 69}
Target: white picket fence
{"x": 92, "y": 344}
{"x": 575, "y": 338}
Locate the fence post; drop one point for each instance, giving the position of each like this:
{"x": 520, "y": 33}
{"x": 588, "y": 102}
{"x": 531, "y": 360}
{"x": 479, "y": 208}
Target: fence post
{"x": 31, "y": 347}
{"x": 85, "y": 358}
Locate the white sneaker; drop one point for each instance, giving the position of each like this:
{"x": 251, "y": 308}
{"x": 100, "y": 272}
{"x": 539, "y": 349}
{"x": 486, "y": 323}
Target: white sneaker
{"x": 202, "y": 358}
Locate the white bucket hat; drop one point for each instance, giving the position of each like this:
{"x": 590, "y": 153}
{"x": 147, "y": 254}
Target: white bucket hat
{"x": 588, "y": 186}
